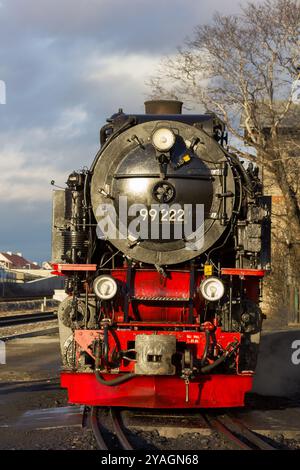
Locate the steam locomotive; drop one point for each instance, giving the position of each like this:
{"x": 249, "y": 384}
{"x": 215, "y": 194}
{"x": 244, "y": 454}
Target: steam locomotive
{"x": 163, "y": 243}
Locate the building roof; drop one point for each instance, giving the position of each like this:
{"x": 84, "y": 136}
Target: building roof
{"x": 291, "y": 120}
{"x": 18, "y": 261}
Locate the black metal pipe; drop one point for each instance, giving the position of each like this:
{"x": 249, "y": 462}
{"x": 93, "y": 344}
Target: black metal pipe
{"x": 209, "y": 367}
{"x": 221, "y": 359}
{"x": 105, "y": 343}
{"x": 192, "y": 291}
{"x": 230, "y": 303}
{"x": 111, "y": 383}
{"x": 117, "y": 381}
{"x": 103, "y": 136}
{"x": 248, "y": 182}
{"x": 127, "y": 296}
{"x": 129, "y": 122}
{"x": 207, "y": 338}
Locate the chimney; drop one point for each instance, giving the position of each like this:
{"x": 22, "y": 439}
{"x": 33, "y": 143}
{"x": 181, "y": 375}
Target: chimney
{"x": 20, "y": 254}
{"x": 9, "y": 253}
{"x": 163, "y": 107}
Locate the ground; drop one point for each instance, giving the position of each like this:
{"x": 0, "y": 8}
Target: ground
{"x": 29, "y": 382}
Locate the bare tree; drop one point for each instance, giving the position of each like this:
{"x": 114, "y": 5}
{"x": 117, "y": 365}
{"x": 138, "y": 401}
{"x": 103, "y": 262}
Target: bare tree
{"x": 242, "y": 67}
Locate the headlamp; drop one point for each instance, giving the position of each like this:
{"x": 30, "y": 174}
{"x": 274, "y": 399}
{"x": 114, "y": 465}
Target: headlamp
{"x": 163, "y": 139}
{"x": 212, "y": 288}
{"x": 105, "y": 287}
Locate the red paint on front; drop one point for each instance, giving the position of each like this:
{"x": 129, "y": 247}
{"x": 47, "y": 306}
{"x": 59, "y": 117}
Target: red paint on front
{"x": 163, "y": 306}
{"x": 60, "y": 269}
{"x": 243, "y": 272}
{"x": 209, "y": 391}
{"x": 151, "y": 294}
{"x": 122, "y": 338}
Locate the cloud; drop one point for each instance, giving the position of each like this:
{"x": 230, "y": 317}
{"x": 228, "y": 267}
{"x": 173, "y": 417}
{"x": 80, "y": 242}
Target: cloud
{"x": 128, "y": 25}
{"x": 67, "y": 66}
{"x": 68, "y": 137}
{"x": 27, "y": 229}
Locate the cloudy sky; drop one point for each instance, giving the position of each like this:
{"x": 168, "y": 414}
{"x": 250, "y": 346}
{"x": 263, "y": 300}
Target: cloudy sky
{"x": 67, "y": 65}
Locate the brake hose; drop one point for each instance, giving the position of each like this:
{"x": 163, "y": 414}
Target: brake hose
{"x": 207, "y": 338}
{"x": 209, "y": 367}
{"x": 219, "y": 361}
{"x": 111, "y": 383}
{"x": 117, "y": 381}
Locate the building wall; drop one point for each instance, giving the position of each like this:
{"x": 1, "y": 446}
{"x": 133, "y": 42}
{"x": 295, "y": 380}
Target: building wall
{"x": 4, "y": 262}
{"x": 34, "y": 273}
{"x": 39, "y": 287}
{"x": 281, "y": 287}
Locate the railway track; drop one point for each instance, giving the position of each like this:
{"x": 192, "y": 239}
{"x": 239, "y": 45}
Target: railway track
{"x": 23, "y": 319}
{"x": 118, "y": 428}
{"x": 22, "y": 299}
{"x": 237, "y": 433}
{"x": 229, "y": 427}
